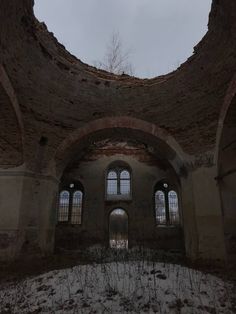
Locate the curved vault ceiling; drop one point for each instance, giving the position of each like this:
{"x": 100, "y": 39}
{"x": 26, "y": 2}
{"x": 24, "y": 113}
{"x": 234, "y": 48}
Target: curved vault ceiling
{"x": 58, "y": 94}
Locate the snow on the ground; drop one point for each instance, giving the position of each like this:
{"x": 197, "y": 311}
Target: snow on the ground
{"x": 119, "y": 287}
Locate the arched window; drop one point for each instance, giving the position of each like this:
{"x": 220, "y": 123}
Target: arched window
{"x": 118, "y": 182}
{"x": 63, "y": 210}
{"x": 125, "y": 182}
{"x": 112, "y": 183}
{"x": 160, "y": 207}
{"x": 70, "y": 205}
{"x": 173, "y": 207}
{"x": 166, "y": 205}
{"x": 76, "y": 211}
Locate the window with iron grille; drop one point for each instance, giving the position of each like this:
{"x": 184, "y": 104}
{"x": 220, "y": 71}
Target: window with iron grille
{"x": 160, "y": 207}
{"x": 63, "y": 208}
{"x": 173, "y": 208}
{"x": 166, "y": 205}
{"x": 118, "y": 182}
{"x": 70, "y": 205}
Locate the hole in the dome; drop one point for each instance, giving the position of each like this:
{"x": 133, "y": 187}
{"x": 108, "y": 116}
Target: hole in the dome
{"x": 156, "y": 36}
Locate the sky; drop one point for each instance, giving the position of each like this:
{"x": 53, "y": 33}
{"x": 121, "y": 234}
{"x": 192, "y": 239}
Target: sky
{"x": 159, "y": 34}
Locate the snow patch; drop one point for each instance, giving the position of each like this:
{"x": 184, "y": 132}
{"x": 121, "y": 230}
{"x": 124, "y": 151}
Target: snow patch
{"x": 119, "y": 287}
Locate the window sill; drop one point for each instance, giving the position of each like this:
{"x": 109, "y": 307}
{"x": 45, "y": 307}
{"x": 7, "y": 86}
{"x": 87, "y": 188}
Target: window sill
{"x": 169, "y": 226}
{"x": 115, "y": 198}
{"x": 68, "y": 224}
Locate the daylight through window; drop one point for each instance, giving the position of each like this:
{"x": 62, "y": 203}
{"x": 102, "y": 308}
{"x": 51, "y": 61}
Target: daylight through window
{"x": 70, "y": 205}
{"x": 118, "y": 182}
{"x": 166, "y": 206}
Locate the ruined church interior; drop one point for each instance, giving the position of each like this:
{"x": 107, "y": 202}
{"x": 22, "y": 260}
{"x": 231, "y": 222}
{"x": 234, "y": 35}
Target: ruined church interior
{"x": 93, "y": 159}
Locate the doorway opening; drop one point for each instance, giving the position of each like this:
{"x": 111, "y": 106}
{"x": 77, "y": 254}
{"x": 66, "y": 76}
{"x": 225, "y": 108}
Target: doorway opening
{"x": 118, "y": 229}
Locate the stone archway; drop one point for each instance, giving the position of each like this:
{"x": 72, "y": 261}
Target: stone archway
{"x": 227, "y": 174}
{"x": 126, "y": 128}
{"x": 126, "y": 125}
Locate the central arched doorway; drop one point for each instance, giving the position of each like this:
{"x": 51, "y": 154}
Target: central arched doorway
{"x": 118, "y": 229}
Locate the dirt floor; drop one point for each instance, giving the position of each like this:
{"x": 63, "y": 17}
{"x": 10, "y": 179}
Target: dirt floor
{"x": 28, "y": 267}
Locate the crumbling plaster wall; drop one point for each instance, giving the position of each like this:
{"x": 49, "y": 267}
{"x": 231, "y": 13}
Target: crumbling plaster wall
{"x": 11, "y": 125}
{"x": 27, "y": 213}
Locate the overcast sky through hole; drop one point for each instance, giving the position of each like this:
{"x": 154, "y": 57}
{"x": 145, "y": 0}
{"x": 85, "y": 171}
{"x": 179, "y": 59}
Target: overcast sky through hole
{"x": 160, "y": 34}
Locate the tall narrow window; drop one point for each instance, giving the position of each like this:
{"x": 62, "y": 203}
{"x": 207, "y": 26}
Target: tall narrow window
{"x": 70, "y": 204}
{"x": 112, "y": 183}
{"x": 63, "y": 210}
{"x": 118, "y": 182}
{"x": 160, "y": 207}
{"x": 76, "y": 211}
{"x": 173, "y": 207}
{"x": 166, "y": 205}
{"x": 125, "y": 182}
